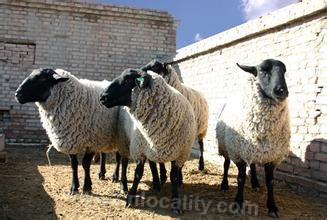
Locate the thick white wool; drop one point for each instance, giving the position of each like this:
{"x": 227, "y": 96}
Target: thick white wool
{"x": 254, "y": 128}
{"x": 74, "y": 118}
{"x": 197, "y": 100}
{"x": 166, "y": 120}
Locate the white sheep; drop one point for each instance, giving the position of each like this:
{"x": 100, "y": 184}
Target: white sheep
{"x": 72, "y": 116}
{"x": 254, "y": 126}
{"x": 197, "y": 100}
{"x": 164, "y": 117}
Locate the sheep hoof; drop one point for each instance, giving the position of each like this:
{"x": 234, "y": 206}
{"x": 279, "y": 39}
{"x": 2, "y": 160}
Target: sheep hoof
{"x": 156, "y": 188}
{"x": 115, "y": 179}
{"x": 177, "y": 211}
{"x": 130, "y": 200}
{"x": 87, "y": 192}
{"x": 224, "y": 187}
{"x": 73, "y": 192}
{"x": 273, "y": 214}
{"x": 163, "y": 180}
{"x": 102, "y": 176}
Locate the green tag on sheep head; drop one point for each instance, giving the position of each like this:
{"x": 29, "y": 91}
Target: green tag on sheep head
{"x": 140, "y": 81}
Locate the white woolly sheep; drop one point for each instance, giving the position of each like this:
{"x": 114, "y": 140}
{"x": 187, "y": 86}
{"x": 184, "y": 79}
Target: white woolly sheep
{"x": 164, "y": 117}
{"x": 72, "y": 116}
{"x": 254, "y": 126}
{"x": 197, "y": 100}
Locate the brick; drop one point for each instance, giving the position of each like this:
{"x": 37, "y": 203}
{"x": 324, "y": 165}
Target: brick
{"x": 321, "y": 157}
{"x": 315, "y": 147}
{"x": 323, "y": 167}
{"x": 320, "y": 175}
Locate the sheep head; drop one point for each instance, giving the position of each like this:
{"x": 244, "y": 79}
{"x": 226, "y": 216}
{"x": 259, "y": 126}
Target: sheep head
{"x": 37, "y": 86}
{"x": 119, "y": 92}
{"x": 271, "y": 77}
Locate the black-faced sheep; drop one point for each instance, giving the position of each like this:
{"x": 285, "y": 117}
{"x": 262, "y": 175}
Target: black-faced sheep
{"x": 197, "y": 100}
{"x": 254, "y": 126}
{"x": 164, "y": 117}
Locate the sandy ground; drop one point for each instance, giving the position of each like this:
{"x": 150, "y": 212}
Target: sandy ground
{"x": 31, "y": 189}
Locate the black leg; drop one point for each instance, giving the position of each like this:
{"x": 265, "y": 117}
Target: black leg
{"x": 124, "y": 163}
{"x": 241, "y": 177}
{"x": 180, "y": 177}
{"x": 115, "y": 176}
{"x": 224, "y": 183}
{"x": 74, "y": 165}
{"x": 174, "y": 177}
{"x": 137, "y": 178}
{"x": 86, "y": 163}
{"x": 272, "y": 208}
{"x": 102, "y": 173}
{"x": 201, "y": 162}
{"x": 155, "y": 176}
{"x": 254, "y": 180}
{"x": 163, "y": 173}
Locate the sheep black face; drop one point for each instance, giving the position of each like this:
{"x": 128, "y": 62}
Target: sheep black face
{"x": 157, "y": 67}
{"x": 119, "y": 92}
{"x": 271, "y": 77}
{"x": 37, "y": 86}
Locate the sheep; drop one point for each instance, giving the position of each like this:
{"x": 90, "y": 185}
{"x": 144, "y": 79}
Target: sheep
{"x": 197, "y": 100}
{"x": 72, "y": 116}
{"x": 163, "y": 116}
{"x": 254, "y": 126}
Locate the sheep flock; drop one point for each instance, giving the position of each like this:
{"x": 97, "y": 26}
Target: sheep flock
{"x": 148, "y": 114}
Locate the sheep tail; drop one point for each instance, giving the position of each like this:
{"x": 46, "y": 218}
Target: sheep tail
{"x": 47, "y": 153}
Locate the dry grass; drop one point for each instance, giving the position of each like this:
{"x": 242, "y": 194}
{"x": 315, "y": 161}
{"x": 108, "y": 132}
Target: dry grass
{"x": 30, "y": 189}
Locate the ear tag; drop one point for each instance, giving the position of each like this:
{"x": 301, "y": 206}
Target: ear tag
{"x": 140, "y": 80}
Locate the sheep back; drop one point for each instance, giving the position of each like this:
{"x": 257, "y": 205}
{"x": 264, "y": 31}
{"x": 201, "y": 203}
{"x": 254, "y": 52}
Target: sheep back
{"x": 74, "y": 119}
{"x": 197, "y": 100}
{"x": 166, "y": 120}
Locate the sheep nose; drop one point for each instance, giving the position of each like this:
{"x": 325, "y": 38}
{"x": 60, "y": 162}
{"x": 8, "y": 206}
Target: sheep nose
{"x": 103, "y": 98}
{"x": 280, "y": 91}
{"x": 18, "y": 94}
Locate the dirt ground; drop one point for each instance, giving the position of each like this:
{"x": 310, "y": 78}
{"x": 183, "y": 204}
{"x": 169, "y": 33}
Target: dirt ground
{"x": 31, "y": 189}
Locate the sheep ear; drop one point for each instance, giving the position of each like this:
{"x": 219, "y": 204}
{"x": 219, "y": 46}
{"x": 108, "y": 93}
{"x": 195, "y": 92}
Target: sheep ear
{"x": 143, "y": 81}
{"x": 249, "y": 69}
{"x": 59, "y": 78}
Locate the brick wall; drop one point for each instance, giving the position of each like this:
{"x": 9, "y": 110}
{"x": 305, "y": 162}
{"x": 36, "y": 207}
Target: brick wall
{"x": 90, "y": 40}
{"x": 297, "y": 35}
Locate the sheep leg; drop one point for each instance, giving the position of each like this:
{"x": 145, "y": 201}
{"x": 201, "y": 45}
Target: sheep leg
{"x": 174, "y": 178}
{"x": 180, "y": 177}
{"x": 269, "y": 173}
{"x": 115, "y": 176}
{"x": 224, "y": 183}
{"x": 163, "y": 173}
{"x": 241, "y": 177}
{"x": 102, "y": 173}
{"x": 86, "y": 163}
{"x": 155, "y": 177}
{"x": 124, "y": 163}
{"x": 137, "y": 178}
{"x": 74, "y": 165}
{"x": 254, "y": 180}
{"x": 201, "y": 162}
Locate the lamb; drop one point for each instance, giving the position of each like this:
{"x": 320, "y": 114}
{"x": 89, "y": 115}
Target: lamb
{"x": 254, "y": 127}
{"x": 163, "y": 116}
{"x": 197, "y": 100}
{"x": 72, "y": 116}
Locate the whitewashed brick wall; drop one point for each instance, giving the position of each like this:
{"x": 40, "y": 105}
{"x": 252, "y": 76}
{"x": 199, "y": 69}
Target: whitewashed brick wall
{"x": 90, "y": 40}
